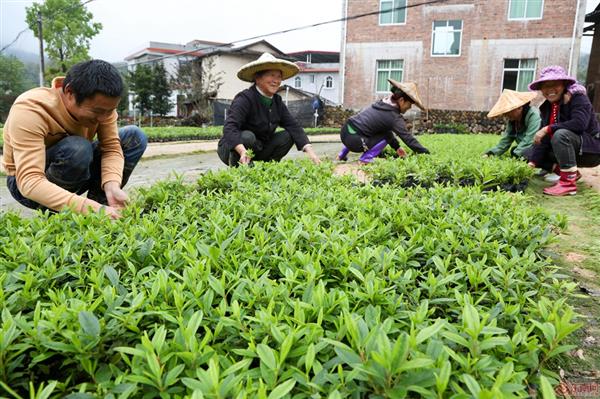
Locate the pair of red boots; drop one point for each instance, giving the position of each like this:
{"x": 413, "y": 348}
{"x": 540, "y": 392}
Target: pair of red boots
{"x": 566, "y": 185}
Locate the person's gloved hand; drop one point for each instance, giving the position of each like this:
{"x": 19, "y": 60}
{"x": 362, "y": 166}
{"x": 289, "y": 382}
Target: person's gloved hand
{"x": 401, "y": 153}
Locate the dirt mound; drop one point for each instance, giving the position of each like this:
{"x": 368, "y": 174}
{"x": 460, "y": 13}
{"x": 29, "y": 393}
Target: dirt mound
{"x": 351, "y": 169}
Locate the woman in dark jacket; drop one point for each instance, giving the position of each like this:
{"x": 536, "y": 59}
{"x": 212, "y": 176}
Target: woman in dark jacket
{"x": 570, "y": 135}
{"x": 257, "y": 112}
{"x": 373, "y": 128}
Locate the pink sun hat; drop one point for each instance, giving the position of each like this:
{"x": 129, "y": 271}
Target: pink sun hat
{"x": 553, "y": 72}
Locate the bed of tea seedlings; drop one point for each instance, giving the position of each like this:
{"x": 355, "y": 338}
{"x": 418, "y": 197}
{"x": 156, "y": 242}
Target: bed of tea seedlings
{"x": 455, "y": 160}
{"x": 283, "y": 281}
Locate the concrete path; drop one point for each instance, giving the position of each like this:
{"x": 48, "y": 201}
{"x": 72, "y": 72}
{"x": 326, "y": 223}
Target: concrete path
{"x": 167, "y": 162}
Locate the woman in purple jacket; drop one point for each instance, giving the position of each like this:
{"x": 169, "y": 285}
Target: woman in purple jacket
{"x": 373, "y": 128}
{"x": 570, "y": 134}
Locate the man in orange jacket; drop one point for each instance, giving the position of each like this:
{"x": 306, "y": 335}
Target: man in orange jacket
{"x": 49, "y": 153}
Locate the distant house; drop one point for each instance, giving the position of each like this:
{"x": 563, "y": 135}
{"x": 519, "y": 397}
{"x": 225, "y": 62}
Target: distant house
{"x": 219, "y": 60}
{"x": 170, "y": 55}
{"x": 461, "y": 53}
{"x": 319, "y": 74}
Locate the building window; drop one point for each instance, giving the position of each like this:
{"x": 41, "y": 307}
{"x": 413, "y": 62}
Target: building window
{"x": 388, "y": 69}
{"x": 446, "y": 38}
{"x": 392, "y": 12}
{"x": 525, "y": 9}
{"x": 518, "y": 74}
{"x": 312, "y": 78}
{"x": 298, "y": 82}
{"x": 329, "y": 82}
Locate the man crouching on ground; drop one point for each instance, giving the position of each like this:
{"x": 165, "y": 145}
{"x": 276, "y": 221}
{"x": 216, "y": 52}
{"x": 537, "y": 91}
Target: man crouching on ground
{"x": 49, "y": 153}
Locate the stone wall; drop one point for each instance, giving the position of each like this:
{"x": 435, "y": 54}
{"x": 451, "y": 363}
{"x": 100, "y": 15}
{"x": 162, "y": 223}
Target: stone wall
{"x": 449, "y": 121}
{"x": 434, "y": 121}
{"x": 335, "y": 116}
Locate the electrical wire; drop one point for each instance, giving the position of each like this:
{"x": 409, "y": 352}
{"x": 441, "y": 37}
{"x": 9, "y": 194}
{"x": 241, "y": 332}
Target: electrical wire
{"x": 224, "y": 45}
{"x": 52, "y": 15}
{"x": 15, "y": 40}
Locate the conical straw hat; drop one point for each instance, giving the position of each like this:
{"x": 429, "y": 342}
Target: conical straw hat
{"x": 509, "y": 100}
{"x": 265, "y": 63}
{"x": 410, "y": 89}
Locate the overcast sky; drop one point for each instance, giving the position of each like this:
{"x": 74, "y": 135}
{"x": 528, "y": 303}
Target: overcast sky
{"x": 128, "y": 25}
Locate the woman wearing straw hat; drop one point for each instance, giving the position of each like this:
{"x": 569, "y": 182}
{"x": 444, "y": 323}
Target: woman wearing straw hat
{"x": 257, "y": 112}
{"x": 570, "y": 135}
{"x": 373, "y": 128}
{"x": 523, "y": 122}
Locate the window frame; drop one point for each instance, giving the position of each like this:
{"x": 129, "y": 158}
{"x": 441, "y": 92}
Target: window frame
{"x": 389, "y": 70}
{"x": 525, "y": 18}
{"x": 328, "y": 78}
{"x": 297, "y": 80}
{"x": 462, "y": 27}
{"x": 392, "y": 23}
{"x": 518, "y": 69}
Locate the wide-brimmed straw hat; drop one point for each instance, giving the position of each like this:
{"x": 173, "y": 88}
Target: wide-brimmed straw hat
{"x": 264, "y": 63}
{"x": 410, "y": 89}
{"x": 509, "y": 100}
{"x": 553, "y": 72}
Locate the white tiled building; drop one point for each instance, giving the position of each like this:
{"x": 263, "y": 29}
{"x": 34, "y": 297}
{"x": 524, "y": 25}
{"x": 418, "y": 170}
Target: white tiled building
{"x": 319, "y": 74}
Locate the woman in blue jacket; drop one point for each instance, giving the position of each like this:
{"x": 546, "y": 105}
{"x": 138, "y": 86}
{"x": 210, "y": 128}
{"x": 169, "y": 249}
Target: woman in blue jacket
{"x": 523, "y": 122}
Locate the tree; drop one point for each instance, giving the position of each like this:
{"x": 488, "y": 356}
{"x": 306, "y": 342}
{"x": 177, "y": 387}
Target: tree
{"x": 198, "y": 84}
{"x": 14, "y": 81}
{"x": 67, "y": 29}
{"x": 123, "y": 108}
{"x": 140, "y": 84}
{"x": 151, "y": 90}
{"x": 582, "y": 68}
{"x": 161, "y": 92}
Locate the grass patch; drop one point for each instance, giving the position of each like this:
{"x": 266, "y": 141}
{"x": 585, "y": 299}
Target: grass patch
{"x": 578, "y": 253}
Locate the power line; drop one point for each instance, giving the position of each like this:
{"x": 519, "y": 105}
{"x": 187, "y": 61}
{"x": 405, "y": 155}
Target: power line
{"x": 52, "y": 15}
{"x": 352, "y": 17}
{"x": 15, "y": 40}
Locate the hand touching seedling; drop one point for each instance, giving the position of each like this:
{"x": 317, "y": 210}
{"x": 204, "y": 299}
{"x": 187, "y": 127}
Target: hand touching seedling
{"x": 247, "y": 157}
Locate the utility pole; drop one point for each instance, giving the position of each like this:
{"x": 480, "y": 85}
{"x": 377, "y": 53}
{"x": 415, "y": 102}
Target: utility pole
{"x": 39, "y": 21}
